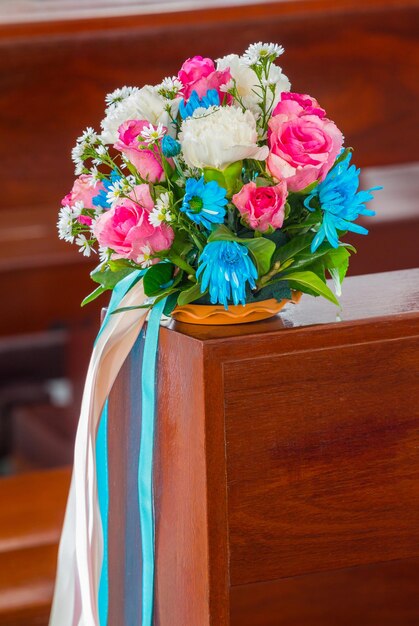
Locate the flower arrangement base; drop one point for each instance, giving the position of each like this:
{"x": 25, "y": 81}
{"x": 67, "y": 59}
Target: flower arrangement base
{"x": 217, "y": 315}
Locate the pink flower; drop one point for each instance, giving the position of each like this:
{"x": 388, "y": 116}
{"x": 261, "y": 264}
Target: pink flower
{"x": 199, "y": 74}
{"x": 303, "y": 145}
{"x": 262, "y": 207}
{"x": 308, "y": 104}
{"x": 126, "y": 228}
{"x": 146, "y": 160}
{"x": 84, "y": 190}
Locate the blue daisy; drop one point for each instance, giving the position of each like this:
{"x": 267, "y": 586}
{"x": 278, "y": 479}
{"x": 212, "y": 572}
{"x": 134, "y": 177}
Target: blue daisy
{"x": 340, "y": 202}
{"x": 224, "y": 268}
{"x": 204, "y": 203}
{"x": 211, "y": 98}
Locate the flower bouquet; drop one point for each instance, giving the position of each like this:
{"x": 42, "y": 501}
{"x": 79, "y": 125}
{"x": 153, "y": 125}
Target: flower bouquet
{"x": 220, "y": 187}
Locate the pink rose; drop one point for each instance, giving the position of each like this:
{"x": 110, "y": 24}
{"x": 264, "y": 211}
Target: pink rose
{"x": 84, "y": 190}
{"x": 147, "y": 161}
{"x": 303, "y": 146}
{"x": 126, "y": 228}
{"x": 308, "y": 104}
{"x": 199, "y": 74}
{"x": 262, "y": 207}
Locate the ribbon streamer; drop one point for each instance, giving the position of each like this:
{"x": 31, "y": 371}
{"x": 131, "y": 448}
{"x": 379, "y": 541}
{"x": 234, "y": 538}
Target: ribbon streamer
{"x": 81, "y": 548}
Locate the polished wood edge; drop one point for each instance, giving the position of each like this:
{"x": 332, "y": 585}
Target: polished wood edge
{"x": 196, "y": 16}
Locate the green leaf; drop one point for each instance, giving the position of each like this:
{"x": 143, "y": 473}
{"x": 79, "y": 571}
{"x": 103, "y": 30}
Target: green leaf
{"x": 157, "y": 277}
{"x": 189, "y": 295}
{"x": 262, "y": 250}
{"x": 95, "y": 294}
{"x": 170, "y": 303}
{"x": 222, "y": 233}
{"x": 228, "y": 178}
{"x": 109, "y": 275}
{"x": 310, "y": 280}
{"x": 337, "y": 262}
{"x": 279, "y": 290}
{"x": 292, "y": 248}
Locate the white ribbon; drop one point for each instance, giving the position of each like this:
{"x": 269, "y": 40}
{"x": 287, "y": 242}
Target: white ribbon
{"x": 80, "y": 553}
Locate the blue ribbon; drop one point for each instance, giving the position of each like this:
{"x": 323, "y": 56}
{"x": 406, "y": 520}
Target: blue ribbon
{"x": 145, "y": 464}
{"x": 119, "y": 292}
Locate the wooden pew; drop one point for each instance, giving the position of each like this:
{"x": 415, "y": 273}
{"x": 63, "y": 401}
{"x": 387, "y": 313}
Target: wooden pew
{"x": 286, "y": 473}
{"x": 31, "y": 516}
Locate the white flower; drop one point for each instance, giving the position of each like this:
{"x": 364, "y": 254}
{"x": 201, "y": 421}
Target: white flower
{"x": 79, "y": 169}
{"x": 119, "y": 95}
{"x": 163, "y": 201}
{"x": 257, "y": 51}
{"x": 104, "y": 254}
{"x": 88, "y": 136}
{"x": 95, "y": 176}
{"x": 77, "y": 152}
{"x": 161, "y": 212}
{"x": 169, "y": 87}
{"x": 247, "y": 83}
{"x": 144, "y": 104}
{"x": 101, "y": 150}
{"x": 65, "y": 224}
{"x": 77, "y": 208}
{"x": 217, "y": 140}
{"x": 145, "y": 257}
{"x": 84, "y": 245}
{"x": 151, "y": 134}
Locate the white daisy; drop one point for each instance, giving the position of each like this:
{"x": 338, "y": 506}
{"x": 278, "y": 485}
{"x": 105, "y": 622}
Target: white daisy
{"x": 88, "y": 136}
{"x": 119, "y": 95}
{"x": 169, "y": 87}
{"x": 77, "y": 208}
{"x": 103, "y": 254}
{"x": 161, "y": 212}
{"x": 257, "y": 51}
{"x": 145, "y": 257}
{"x": 114, "y": 193}
{"x": 79, "y": 169}
{"x": 84, "y": 244}
{"x": 151, "y": 134}
{"x": 65, "y": 224}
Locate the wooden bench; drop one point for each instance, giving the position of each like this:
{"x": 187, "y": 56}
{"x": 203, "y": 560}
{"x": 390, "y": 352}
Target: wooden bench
{"x": 31, "y": 516}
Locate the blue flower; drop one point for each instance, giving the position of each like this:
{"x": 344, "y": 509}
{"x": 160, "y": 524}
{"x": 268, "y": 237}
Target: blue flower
{"x": 211, "y": 98}
{"x": 341, "y": 203}
{"x": 225, "y": 267}
{"x": 170, "y": 147}
{"x": 101, "y": 199}
{"x": 204, "y": 202}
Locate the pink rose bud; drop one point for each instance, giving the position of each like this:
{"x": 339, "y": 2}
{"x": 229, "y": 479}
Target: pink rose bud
{"x": 262, "y": 208}
{"x": 199, "y": 74}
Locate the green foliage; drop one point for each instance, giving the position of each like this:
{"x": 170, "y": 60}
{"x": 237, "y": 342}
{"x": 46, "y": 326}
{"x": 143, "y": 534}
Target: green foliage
{"x": 310, "y": 281}
{"x": 95, "y": 294}
{"x": 230, "y": 178}
{"x": 189, "y": 295}
{"x": 158, "y": 278}
{"x": 279, "y": 290}
{"x": 109, "y": 273}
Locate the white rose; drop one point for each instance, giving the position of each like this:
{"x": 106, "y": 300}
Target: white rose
{"x": 247, "y": 82}
{"x": 219, "y": 138}
{"x": 144, "y": 104}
